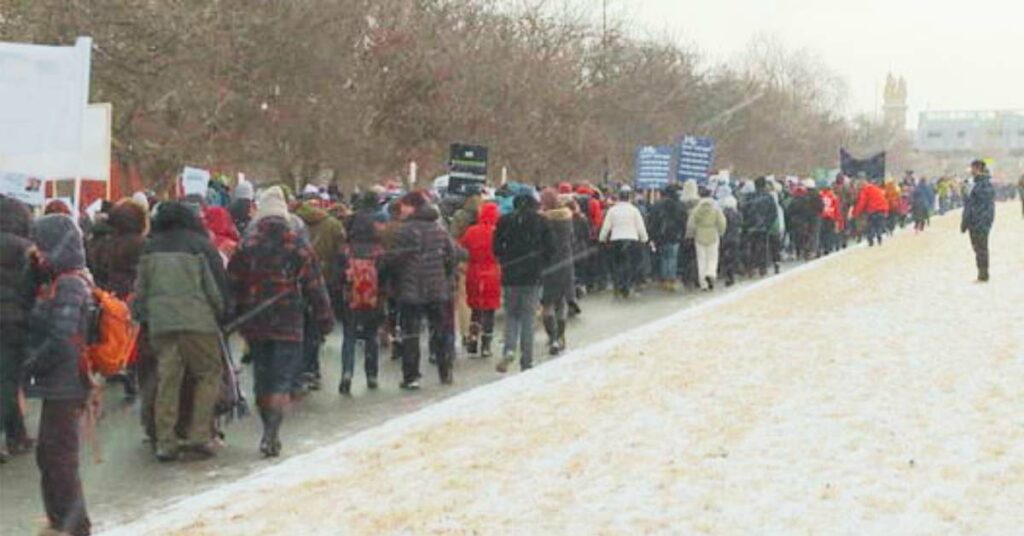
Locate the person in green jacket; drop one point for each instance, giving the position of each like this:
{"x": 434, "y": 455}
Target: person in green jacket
{"x": 180, "y": 296}
{"x": 705, "y": 226}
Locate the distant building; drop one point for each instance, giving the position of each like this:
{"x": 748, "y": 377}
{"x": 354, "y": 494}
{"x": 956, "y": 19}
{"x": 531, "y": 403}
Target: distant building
{"x": 973, "y": 132}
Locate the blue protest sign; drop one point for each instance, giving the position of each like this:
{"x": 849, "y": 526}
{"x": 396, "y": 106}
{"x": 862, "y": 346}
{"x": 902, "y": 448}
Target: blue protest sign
{"x": 696, "y": 157}
{"x": 653, "y": 167}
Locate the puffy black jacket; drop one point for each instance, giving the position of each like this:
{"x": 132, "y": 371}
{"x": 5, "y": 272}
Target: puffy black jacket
{"x": 733, "y": 226}
{"x": 424, "y": 257}
{"x": 59, "y": 322}
{"x": 523, "y": 244}
{"x": 980, "y": 208}
{"x": 759, "y": 213}
{"x": 559, "y": 275}
{"x": 667, "y": 221}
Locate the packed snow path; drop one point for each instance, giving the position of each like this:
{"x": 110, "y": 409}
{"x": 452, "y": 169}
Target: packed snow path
{"x": 875, "y": 392}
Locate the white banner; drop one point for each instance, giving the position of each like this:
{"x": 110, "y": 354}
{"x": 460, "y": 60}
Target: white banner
{"x": 96, "y": 142}
{"x": 44, "y": 91}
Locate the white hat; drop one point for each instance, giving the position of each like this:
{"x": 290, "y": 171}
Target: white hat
{"x": 272, "y": 204}
{"x": 141, "y": 199}
{"x": 808, "y": 183}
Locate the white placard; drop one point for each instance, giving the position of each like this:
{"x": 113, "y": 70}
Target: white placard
{"x": 96, "y": 142}
{"x": 44, "y": 91}
{"x": 195, "y": 181}
{"x": 26, "y": 189}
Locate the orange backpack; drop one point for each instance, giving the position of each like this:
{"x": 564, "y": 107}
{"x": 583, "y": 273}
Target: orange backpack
{"x": 115, "y": 336}
{"x": 112, "y": 332}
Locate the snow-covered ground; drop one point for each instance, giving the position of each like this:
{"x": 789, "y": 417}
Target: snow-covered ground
{"x": 875, "y": 392}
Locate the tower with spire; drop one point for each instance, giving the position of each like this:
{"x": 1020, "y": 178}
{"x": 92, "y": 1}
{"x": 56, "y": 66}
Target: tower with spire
{"x": 894, "y": 105}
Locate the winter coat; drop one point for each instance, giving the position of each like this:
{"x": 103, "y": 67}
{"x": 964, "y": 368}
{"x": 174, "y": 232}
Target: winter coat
{"x": 326, "y": 235}
{"x": 522, "y": 244}
{"x": 274, "y": 261}
{"x": 923, "y": 199}
{"x": 181, "y": 284}
{"x": 829, "y": 206}
{"x": 667, "y": 221}
{"x": 760, "y": 213}
{"x": 558, "y": 277}
{"x": 59, "y": 321}
{"x": 423, "y": 258}
{"x": 707, "y": 223}
{"x": 223, "y": 233}
{"x": 114, "y": 257}
{"x": 483, "y": 275}
{"x": 871, "y": 200}
{"x": 16, "y": 289}
{"x": 581, "y": 241}
{"x": 980, "y": 207}
{"x": 623, "y": 222}
{"x": 733, "y": 226}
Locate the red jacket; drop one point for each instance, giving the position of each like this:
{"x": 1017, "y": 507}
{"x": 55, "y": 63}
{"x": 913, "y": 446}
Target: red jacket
{"x": 830, "y": 206}
{"x": 871, "y": 201}
{"x": 483, "y": 275}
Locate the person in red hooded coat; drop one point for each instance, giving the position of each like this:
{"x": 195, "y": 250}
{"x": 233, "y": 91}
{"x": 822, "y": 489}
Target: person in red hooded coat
{"x": 483, "y": 279}
{"x": 222, "y": 229}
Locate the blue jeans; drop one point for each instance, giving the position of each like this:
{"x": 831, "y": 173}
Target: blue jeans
{"x": 352, "y": 331}
{"x": 668, "y": 261}
{"x": 520, "y": 308}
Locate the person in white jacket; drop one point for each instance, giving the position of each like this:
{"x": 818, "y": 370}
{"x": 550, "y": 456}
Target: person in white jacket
{"x": 624, "y": 228}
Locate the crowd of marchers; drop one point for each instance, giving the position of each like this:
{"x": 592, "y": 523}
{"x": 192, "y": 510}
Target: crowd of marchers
{"x": 274, "y": 273}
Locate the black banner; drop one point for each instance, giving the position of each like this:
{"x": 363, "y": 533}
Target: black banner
{"x": 872, "y": 167}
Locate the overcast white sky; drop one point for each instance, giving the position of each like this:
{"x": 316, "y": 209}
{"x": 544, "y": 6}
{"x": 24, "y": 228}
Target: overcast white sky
{"x": 960, "y": 55}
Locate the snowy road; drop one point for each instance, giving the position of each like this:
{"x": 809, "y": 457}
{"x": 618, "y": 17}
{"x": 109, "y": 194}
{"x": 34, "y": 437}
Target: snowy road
{"x": 877, "y": 392}
{"x": 122, "y": 487}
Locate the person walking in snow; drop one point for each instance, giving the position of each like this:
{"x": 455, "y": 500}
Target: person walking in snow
{"x": 706, "y": 225}
{"x": 180, "y": 298}
{"x": 59, "y": 326}
{"x": 523, "y": 245}
{"x": 978, "y": 216}
{"x": 16, "y": 297}
{"x": 483, "y": 279}
{"x": 624, "y": 228}
{"x": 276, "y": 276}
{"x": 559, "y": 275}
{"x": 424, "y": 259}
{"x": 872, "y": 204}
{"x": 667, "y": 229}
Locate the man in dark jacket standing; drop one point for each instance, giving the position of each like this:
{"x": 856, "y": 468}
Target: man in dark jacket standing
{"x": 423, "y": 257}
{"x": 16, "y": 297}
{"x": 759, "y": 215}
{"x": 180, "y": 297}
{"x": 978, "y": 216}
{"x": 667, "y": 227}
{"x": 522, "y": 243}
{"x": 275, "y": 275}
{"x": 58, "y": 332}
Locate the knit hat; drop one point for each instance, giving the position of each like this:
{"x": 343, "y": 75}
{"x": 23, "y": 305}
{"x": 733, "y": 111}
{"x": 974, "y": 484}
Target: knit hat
{"x": 272, "y": 204}
{"x": 244, "y": 190}
{"x": 808, "y": 183}
{"x": 141, "y": 200}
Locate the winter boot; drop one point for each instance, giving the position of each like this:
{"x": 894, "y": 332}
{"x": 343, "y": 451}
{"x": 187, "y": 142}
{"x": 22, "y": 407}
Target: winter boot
{"x": 550, "y": 327}
{"x": 711, "y": 282}
{"x": 345, "y": 387}
{"x": 983, "y": 275}
{"x": 560, "y": 326}
{"x": 506, "y": 360}
{"x": 472, "y": 342}
{"x": 485, "y": 345}
{"x": 371, "y": 383}
{"x": 270, "y": 444}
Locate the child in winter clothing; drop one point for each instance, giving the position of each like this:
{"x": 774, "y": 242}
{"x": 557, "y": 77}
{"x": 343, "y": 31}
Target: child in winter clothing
{"x": 483, "y": 278}
{"x": 58, "y": 333}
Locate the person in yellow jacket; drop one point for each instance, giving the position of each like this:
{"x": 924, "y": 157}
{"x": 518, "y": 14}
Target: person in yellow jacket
{"x": 705, "y": 226}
